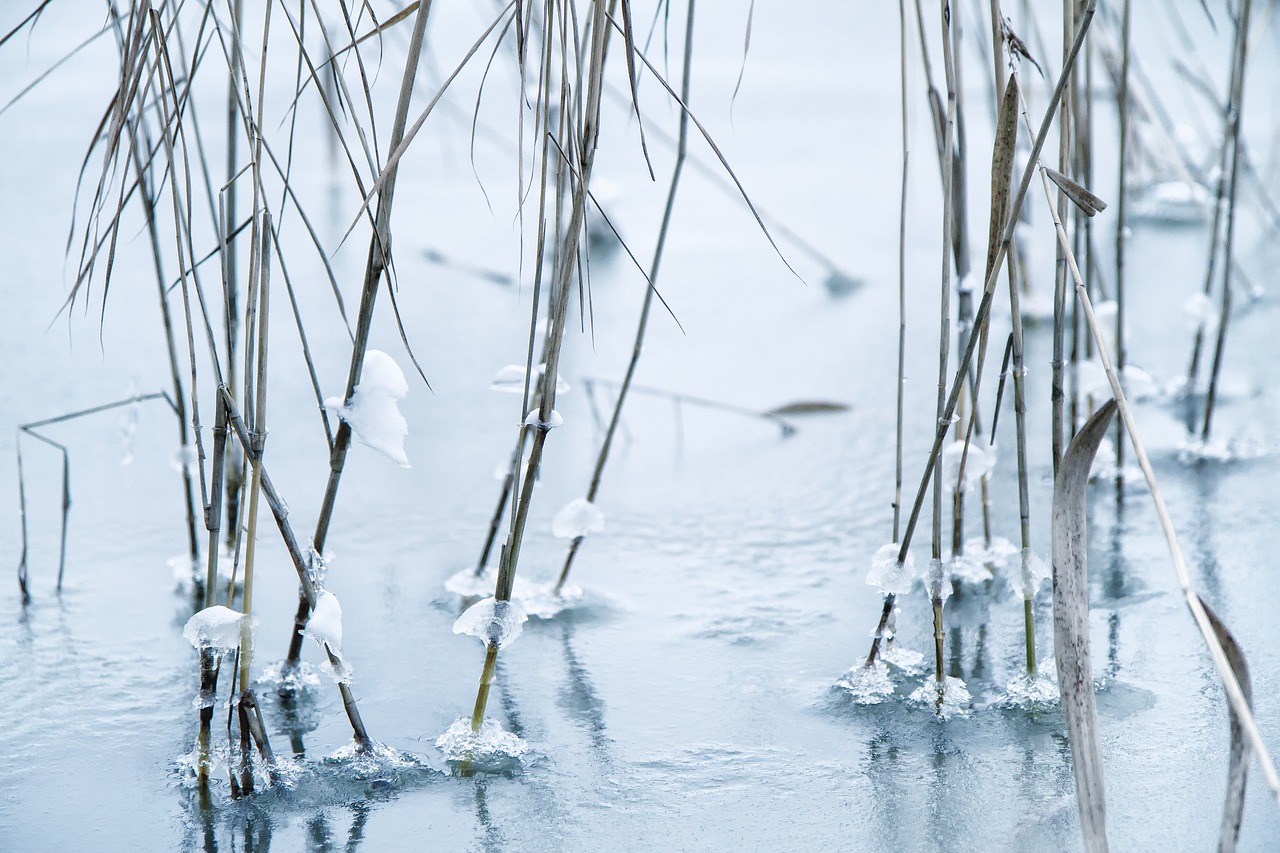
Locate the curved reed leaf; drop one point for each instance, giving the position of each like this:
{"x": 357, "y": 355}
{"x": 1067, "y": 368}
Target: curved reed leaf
{"x": 1241, "y": 752}
{"x": 1071, "y": 626}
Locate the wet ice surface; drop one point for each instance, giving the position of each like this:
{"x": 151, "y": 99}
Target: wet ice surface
{"x": 696, "y": 711}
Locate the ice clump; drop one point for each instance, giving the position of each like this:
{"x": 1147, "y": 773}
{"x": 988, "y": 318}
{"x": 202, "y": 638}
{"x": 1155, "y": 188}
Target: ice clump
{"x": 979, "y": 561}
{"x": 578, "y": 518}
{"x": 377, "y": 762}
{"x": 497, "y": 623}
{"x": 1200, "y": 310}
{"x": 511, "y": 379}
{"x": 372, "y": 413}
{"x": 534, "y": 419}
{"x": 1031, "y": 693}
{"x": 281, "y": 676}
{"x": 907, "y": 661}
{"x": 491, "y": 750}
{"x": 325, "y": 627}
{"x": 955, "y": 697}
{"x": 867, "y": 685}
{"x": 185, "y": 460}
{"x": 537, "y": 600}
{"x": 890, "y": 575}
{"x": 216, "y": 628}
{"x": 1035, "y": 572}
{"x": 938, "y": 581}
{"x": 325, "y": 624}
{"x": 541, "y": 601}
{"x": 466, "y": 584}
{"x": 978, "y": 463}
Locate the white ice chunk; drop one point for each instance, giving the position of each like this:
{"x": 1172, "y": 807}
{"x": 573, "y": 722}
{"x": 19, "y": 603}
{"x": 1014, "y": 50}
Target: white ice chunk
{"x": 510, "y": 379}
{"x": 372, "y": 413}
{"x": 1137, "y": 383}
{"x": 898, "y": 656}
{"x": 867, "y": 685}
{"x": 466, "y": 584}
{"x": 540, "y": 600}
{"x": 215, "y": 628}
{"x": 577, "y": 518}
{"x": 491, "y": 750}
{"x": 1035, "y": 572}
{"x": 1200, "y": 310}
{"x": 978, "y": 463}
{"x": 953, "y": 702}
{"x": 495, "y": 622}
{"x": 534, "y": 419}
{"x": 938, "y": 581}
{"x": 325, "y": 624}
{"x": 185, "y": 459}
{"x": 1032, "y": 693}
{"x": 890, "y": 575}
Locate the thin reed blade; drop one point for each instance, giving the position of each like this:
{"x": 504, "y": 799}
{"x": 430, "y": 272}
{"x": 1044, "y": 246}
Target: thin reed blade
{"x": 1071, "y": 626}
{"x": 1238, "y": 768}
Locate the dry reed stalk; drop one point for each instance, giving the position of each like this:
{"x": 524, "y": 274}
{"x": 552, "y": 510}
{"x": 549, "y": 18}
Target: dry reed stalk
{"x": 1235, "y": 104}
{"x": 376, "y": 264}
{"x": 651, "y": 280}
{"x": 1238, "y": 701}
{"x": 585, "y": 140}
{"x": 983, "y": 313}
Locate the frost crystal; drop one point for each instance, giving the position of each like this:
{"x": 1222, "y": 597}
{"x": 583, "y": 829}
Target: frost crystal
{"x": 867, "y": 685}
{"x": 491, "y": 750}
{"x": 908, "y": 661}
{"x": 495, "y": 622}
{"x": 890, "y": 575}
{"x": 216, "y": 628}
{"x": 938, "y": 581}
{"x": 955, "y": 697}
{"x": 578, "y": 518}
{"x": 372, "y": 413}
{"x": 534, "y": 419}
{"x": 1034, "y": 573}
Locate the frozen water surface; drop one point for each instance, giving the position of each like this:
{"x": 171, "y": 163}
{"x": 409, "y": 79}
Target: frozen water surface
{"x": 696, "y": 711}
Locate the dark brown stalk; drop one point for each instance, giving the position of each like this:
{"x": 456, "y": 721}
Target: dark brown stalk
{"x": 1122, "y": 107}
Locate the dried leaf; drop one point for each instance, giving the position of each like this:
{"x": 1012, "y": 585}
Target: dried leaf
{"x": 1238, "y": 768}
{"x": 1088, "y": 203}
{"x": 1071, "y": 626}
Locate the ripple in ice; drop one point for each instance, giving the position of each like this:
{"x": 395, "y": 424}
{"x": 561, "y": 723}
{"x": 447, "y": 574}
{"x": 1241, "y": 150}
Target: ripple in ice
{"x": 491, "y": 750}
{"x": 955, "y": 699}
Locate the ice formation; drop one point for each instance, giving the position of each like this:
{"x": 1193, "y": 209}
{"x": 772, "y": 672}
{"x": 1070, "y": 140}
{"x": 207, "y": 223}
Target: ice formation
{"x": 938, "y": 580}
{"x": 1029, "y": 693}
{"x": 1035, "y": 572}
{"x": 491, "y": 750}
{"x": 216, "y": 628}
{"x": 577, "y": 518}
{"x": 979, "y": 561}
{"x": 495, "y": 622}
{"x": 978, "y": 463}
{"x": 372, "y": 412}
{"x": 955, "y": 698}
{"x": 511, "y": 379}
{"x": 534, "y": 419}
{"x": 890, "y": 575}
{"x": 867, "y": 685}
{"x": 898, "y": 656}
{"x": 325, "y": 624}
